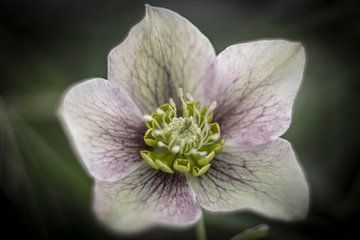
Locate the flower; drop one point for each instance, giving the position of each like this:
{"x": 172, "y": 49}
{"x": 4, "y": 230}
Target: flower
{"x": 176, "y": 128}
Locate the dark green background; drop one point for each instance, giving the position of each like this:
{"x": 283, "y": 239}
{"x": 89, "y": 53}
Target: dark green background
{"x": 48, "y": 45}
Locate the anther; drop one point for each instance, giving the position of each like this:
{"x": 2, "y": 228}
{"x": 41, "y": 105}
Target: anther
{"x": 188, "y": 95}
{"x": 215, "y": 136}
{"x": 148, "y": 117}
{"x": 157, "y": 132}
{"x": 180, "y": 92}
{"x": 175, "y": 149}
{"x": 161, "y": 144}
{"x": 212, "y": 106}
{"x": 172, "y": 103}
{"x": 202, "y": 153}
{"x": 159, "y": 111}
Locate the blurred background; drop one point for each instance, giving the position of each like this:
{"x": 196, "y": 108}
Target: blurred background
{"x": 48, "y": 45}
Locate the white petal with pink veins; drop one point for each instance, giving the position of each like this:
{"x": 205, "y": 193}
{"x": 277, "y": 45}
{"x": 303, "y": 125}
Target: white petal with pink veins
{"x": 145, "y": 198}
{"x": 266, "y": 179}
{"x": 161, "y": 53}
{"x": 105, "y": 126}
{"x": 255, "y": 87}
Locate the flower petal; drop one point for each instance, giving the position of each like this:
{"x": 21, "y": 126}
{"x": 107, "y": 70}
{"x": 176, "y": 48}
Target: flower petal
{"x": 266, "y": 179}
{"x": 105, "y": 127}
{"x": 256, "y": 86}
{"x": 161, "y": 53}
{"x": 144, "y": 198}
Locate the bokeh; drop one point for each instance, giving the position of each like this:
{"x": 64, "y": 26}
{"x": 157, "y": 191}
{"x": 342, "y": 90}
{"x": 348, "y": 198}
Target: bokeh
{"x": 48, "y": 45}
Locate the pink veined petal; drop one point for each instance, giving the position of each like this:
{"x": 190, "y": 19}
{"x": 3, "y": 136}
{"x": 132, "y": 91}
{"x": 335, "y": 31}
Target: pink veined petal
{"x": 266, "y": 179}
{"x": 161, "y": 54}
{"x": 145, "y": 198}
{"x": 255, "y": 86}
{"x": 105, "y": 127}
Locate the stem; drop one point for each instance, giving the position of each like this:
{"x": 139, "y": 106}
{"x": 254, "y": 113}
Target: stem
{"x": 200, "y": 229}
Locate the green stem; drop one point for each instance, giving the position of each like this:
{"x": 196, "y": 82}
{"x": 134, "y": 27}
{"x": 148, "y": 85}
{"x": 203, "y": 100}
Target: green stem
{"x": 200, "y": 229}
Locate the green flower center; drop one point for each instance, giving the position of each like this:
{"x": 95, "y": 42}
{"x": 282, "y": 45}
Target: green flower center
{"x": 186, "y": 143}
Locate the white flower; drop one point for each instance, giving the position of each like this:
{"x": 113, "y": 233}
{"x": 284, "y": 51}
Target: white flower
{"x": 246, "y": 165}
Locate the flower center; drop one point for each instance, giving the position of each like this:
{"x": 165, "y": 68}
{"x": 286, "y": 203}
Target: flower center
{"x": 186, "y": 143}
{"x": 182, "y": 131}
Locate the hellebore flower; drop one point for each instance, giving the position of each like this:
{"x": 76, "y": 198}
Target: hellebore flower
{"x": 176, "y": 128}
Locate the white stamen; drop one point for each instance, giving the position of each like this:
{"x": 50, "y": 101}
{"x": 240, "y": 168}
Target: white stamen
{"x": 202, "y": 153}
{"x": 181, "y": 93}
{"x": 172, "y": 141}
{"x": 148, "y": 117}
{"x": 182, "y": 143}
{"x": 188, "y": 95}
{"x": 215, "y": 136}
{"x": 157, "y": 132}
{"x": 212, "y": 106}
{"x": 175, "y": 149}
{"x": 183, "y": 103}
{"x": 172, "y": 103}
{"x": 159, "y": 111}
{"x": 161, "y": 144}
{"x": 192, "y": 151}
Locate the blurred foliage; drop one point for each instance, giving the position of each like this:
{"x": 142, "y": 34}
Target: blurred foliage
{"x": 253, "y": 233}
{"x": 48, "y": 45}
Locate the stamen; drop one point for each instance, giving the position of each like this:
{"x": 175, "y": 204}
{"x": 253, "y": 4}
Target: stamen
{"x": 203, "y": 153}
{"x": 157, "y": 132}
{"x": 181, "y": 93}
{"x": 172, "y": 103}
{"x": 215, "y": 136}
{"x": 161, "y": 144}
{"x": 188, "y": 95}
{"x": 183, "y": 103}
{"x": 184, "y": 143}
{"x": 148, "y": 118}
{"x": 159, "y": 111}
{"x": 175, "y": 149}
{"x": 212, "y": 107}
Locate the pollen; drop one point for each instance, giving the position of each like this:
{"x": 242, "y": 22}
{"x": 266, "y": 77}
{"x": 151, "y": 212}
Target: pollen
{"x": 184, "y": 140}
